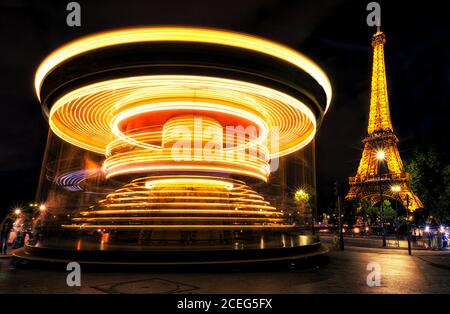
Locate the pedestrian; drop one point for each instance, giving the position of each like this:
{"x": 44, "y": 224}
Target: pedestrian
{"x": 4, "y": 236}
{"x": 445, "y": 240}
{"x": 19, "y": 240}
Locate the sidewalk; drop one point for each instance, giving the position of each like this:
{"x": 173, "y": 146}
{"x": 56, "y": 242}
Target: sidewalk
{"x": 8, "y": 253}
{"x": 376, "y": 242}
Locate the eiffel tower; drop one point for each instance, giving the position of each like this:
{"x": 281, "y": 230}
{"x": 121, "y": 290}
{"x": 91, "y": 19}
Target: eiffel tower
{"x": 380, "y": 164}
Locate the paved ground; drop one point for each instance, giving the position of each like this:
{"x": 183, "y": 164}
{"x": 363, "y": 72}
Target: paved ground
{"x": 345, "y": 272}
{"x": 376, "y": 241}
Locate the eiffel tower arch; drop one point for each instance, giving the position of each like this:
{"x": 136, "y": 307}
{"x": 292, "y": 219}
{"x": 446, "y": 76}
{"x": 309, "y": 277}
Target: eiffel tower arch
{"x": 381, "y": 166}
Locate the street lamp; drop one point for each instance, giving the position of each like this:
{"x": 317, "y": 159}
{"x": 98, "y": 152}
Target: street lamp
{"x": 396, "y": 190}
{"x": 17, "y": 211}
{"x": 42, "y": 208}
{"x": 410, "y": 218}
{"x": 381, "y": 155}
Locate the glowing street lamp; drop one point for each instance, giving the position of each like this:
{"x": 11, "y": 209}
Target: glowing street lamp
{"x": 42, "y": 208}
{"x": 381, "y": 155}
{"x": 396, "y": 188}
{"x": 17, "y": 211}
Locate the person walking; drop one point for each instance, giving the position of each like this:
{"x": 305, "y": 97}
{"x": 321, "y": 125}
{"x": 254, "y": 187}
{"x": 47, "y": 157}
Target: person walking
{"x": 4, "y": 236}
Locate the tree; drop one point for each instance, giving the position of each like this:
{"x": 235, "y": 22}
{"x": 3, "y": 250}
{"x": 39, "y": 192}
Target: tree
{"x": 304, "y": 198}
{"x": 369, "y": 213}
{"x": 430, "y": 179}
{"x": 388, "y": 211}
{"x": 350, "y": 211}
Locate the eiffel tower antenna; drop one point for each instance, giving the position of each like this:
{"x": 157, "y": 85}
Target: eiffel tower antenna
{"x": 381, "y": 160}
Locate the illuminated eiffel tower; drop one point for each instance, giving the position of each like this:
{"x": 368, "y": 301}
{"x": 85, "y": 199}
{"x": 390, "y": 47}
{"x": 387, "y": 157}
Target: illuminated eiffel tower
{"x": 380, "y": 163}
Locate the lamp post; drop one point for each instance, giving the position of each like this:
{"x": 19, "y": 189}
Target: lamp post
{"x": 396, "y": 190}
{"x": 381, "y": 155}
{"x": 339, "y": 209}
{"x": 408, "y": 232}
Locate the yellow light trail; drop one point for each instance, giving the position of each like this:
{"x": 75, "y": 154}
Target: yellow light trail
{"x": 189, "y": 182}
{"x": 180, "y": 218}
{"x": 180, "y": 211}
{"x": 182, "y": 34}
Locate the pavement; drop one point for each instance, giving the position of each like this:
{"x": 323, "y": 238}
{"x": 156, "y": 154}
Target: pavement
{"x": 374, "y": 241}
{"x": 339, "y": 272}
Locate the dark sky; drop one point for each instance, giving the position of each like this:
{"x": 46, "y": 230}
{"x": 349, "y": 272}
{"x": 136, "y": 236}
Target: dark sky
{"x": 333, "y": 33}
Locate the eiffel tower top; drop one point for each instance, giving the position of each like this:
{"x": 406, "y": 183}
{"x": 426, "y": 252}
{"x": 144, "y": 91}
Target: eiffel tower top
{"x": 379, "y": 116}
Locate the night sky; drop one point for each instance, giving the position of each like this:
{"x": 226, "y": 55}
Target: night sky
{"x": 333, "y": 33}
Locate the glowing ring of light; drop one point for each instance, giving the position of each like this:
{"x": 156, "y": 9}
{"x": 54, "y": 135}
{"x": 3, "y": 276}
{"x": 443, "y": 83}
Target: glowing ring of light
{"x": 182, "y": 34}
{"x": 200, "y": 106}
{"x": 72, "y": 180}
{"x": 164, "y": 202}
{"x": 83, "y": 117}
{"x": 258, "y": 171}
